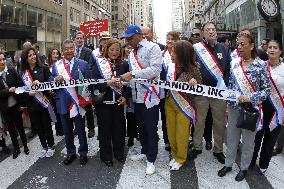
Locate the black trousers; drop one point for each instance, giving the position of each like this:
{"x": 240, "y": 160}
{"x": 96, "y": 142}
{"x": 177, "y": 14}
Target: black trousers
{"x": 90, "y": 117}
{"x": 265, "y": 138}
{"x": 42, "y": 122}
{"x": 111, "y": 130}
{"x": 208, "y": 127}
{"x": 163, "y": 118}
{"x": 132, "y": 130}
{"x": 13, "y": 121}
{"x": 147, "y": 120}
{"x": 268, "y": 139}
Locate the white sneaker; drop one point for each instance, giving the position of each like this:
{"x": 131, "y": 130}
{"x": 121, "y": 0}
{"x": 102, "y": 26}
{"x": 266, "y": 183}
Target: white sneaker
{"x": 49, "y": 153}
{"x": 175, "y": 166}
{"x": 150, "y": 168}
{"x": 42, "y": 153}
{"x": 137, "y": 157}
{"x": 172, "y": 162}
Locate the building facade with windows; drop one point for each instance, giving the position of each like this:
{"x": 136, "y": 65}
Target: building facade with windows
{"x": 32, "y": 20}
{"x": 85, "y": 10}
{"x": 177, "y": 15}
{"x": 141, "y": 13}
{"x": 121, "y": 16}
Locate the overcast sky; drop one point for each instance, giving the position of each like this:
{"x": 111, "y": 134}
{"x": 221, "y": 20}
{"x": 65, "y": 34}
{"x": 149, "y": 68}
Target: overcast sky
{"x": 162, "y": 18}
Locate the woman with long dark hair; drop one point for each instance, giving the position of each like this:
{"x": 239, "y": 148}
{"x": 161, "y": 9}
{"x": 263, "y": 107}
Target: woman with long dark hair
{"x": 179, "y": 107}
{"x": 53, "y": 56}
{"x": 38, "y": 105}
{"x": 273, "y": 109}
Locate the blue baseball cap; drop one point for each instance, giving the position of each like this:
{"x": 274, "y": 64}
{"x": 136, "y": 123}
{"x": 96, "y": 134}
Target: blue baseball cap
{"x": 131, "y": 30}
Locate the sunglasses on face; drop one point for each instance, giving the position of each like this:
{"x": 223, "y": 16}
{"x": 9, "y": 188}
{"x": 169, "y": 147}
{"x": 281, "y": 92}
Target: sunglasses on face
{"x": 195, "y": 35}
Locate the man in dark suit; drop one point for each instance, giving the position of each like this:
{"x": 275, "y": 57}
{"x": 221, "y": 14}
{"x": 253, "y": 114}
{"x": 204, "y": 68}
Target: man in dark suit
{"x": 64, "y": 100}
{"x": 84, "y": 53}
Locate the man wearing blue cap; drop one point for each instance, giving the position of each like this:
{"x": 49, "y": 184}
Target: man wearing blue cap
{"x": 145, "y": 62}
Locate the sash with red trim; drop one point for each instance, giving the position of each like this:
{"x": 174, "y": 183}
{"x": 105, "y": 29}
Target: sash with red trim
{"x": 150, "y": 91}
{"x": 39, "y": 96}
{"x": 105, "y": 68}
{"x": 179, "y": 98}
{"x": 97, "y": 52}
{"x": 243, "y": 82}
{"x": 209, "y": 61}
{"x": 277, "y": 102}
{"x": 74, "y": 108}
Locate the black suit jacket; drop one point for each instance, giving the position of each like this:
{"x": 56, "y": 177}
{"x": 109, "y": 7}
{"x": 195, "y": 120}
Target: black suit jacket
{"x": 85, "y": 54}
{"x": 12, "y": 80}
{"x": 42, "y": 74}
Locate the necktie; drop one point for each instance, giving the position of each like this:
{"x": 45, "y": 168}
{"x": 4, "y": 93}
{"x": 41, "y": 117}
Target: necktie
{"x": 77, "y": 51}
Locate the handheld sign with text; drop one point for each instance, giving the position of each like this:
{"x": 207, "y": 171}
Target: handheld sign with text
{"x": 94, "y": 28}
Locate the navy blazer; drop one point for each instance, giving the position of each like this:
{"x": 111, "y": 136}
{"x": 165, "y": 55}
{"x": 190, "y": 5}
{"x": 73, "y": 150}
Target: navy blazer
{"x": 63, "y": 100}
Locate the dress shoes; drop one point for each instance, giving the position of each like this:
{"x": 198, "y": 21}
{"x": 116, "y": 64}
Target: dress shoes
{"x": 108, "y": 163}
{"x": 194, "y": 153}
{"x": 208, "y": 146}
{"x": 224, "y": 171}
{"x": 32, "y": 135}
{"x": 277, "y": 151}
{"x": 220, "y": 157}
{"x": 16, "y": 154}
{"x": 69, "y": 159}
{"x": 6, "y": 150}
{"x": 241, "y": 175}
{"x": 26, "y": 150}
{"x": 120, "y": 158}
{"x": 167, "y": 147}
{"x": 83, "y": 160}
{"x": 130, "y": 142}
{"x": 91, "y": 133}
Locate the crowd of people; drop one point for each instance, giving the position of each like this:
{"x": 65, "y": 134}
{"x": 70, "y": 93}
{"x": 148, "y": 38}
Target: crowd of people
{"x": 133, "y": 110}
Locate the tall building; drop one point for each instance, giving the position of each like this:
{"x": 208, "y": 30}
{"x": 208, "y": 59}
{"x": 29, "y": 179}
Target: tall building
{"x": 32, "y": 20}
{"x": 121, "y": 16}
{"x": 85, "y": 10}
{"x": 141, "y": 17}
{"x": 192, "y": 17}
{"x": 177, "y": 15}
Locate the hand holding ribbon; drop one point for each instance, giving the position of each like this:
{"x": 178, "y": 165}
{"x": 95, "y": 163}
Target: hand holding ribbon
{"x": 243, "y": 98}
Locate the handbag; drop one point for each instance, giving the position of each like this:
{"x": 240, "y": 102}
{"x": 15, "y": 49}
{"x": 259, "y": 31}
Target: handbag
{"x": 248, "y": 117}
{"x": 98, "y": 97}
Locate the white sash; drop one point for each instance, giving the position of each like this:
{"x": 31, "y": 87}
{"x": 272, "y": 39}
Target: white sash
{"x": 169, "y": 66}
{"x": 39, "y": 96}
{"x": 277, "y": 103}
{"x": 148, "y": 100}
{"x": 74, "y": 108}
{"x": 243, "y": 82}
{"x": 209, "y": 61}
{"x": 97, "y": 53}
{"x": 105, "y": 68}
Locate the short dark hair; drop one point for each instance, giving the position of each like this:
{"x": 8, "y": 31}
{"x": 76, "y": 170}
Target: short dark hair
{"x": 79, "y": 32}
{"x": 266, "y": 39}
{"x": 224, "y": 38}
{"x": 206, "y": 23}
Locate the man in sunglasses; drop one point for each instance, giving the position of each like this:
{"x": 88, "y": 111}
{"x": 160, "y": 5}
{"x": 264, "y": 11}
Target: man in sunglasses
{"x": 196, "y": 36}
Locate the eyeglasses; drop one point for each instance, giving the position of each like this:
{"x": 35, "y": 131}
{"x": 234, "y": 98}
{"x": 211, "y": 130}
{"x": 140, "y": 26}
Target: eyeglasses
{"x": 195, "y": 35}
